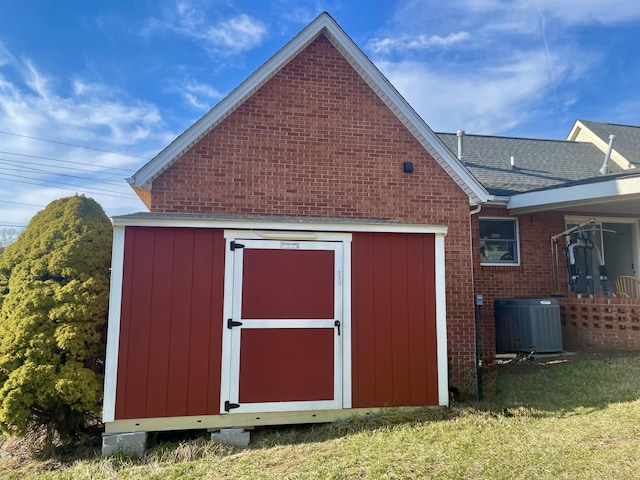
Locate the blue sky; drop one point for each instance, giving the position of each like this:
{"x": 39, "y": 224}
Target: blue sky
{"x": 124, "y": 78}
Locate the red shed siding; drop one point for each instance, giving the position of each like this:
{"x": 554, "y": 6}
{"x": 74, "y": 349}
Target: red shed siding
{"x": 315, "y": 140}
{"x": 170, "y": 325}
{"x": 394, "y": 361}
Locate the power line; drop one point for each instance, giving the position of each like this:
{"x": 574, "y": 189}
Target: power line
{"x": 77, "y": 188}
{"x": 36, "y": 170}
{"x": 71, "y": 145}
{"x": 21, "y": 203}
{"x": 66, "y": 161}
{"x": 62, "y": 183}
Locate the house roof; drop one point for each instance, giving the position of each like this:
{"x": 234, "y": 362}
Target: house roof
{"x": 626, "y": 143}
{"x": 539, "y": 163}
{"x": 323, "y": 25}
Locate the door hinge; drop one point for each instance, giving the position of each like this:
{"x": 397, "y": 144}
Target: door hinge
{"x": 233, "y": 245}
{"x": 231, "y": 323}
{"x": 228, "y": 405}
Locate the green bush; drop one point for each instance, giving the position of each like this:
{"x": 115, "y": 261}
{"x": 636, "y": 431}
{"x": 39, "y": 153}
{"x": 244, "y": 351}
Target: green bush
{"x": 54, "y": 291}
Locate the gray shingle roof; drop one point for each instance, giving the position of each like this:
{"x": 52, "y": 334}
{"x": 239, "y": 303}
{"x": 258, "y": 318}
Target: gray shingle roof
{"x": 627, "y": 141}
{"x": 539, "y": 163}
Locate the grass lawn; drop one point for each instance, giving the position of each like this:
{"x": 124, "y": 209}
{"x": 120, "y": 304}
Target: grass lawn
{"x": 549, "y": 419}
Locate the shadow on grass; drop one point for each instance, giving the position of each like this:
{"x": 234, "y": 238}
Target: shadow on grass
{"x": 566, "y": 383}
{"x": 386, "y": 419}
{"x": 544, "y": 387}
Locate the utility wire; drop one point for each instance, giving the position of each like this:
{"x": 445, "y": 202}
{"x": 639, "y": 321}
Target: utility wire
{"x": 67, "y": 161}
{"x": 72, "y": 145}
{"x": 21, "y": 203}
{"x": 77, "y": 188}
{"x": 36, "y": 170}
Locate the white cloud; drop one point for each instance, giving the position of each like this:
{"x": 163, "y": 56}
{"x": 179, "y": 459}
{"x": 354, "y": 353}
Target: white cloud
{"x": 302, "y": 13}
{"x": 584, "y": 12}
{"x": 522, "y": 62}
{"x": 490, "y": 100}
{"x": 5, "y": 56}
{"x": 238, "y": 33}
{"x": 418, "y": 42}
{"x": 198, "y": 95}
{"x": 33, "y": 107}
{"x": 225, "y": 36}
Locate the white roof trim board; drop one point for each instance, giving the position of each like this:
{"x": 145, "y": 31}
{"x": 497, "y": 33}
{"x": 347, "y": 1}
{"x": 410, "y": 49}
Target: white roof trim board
{"x": 273, "y": 224}
{"x": 323, "y": 24}
{"x": 577, "y": 195}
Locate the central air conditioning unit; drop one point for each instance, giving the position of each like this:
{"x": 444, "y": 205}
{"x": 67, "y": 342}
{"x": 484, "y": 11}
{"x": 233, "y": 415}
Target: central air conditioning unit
{"x": 523, "y": 324}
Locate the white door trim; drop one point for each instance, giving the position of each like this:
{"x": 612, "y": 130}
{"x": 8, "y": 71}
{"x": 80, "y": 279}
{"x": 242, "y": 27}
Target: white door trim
{"x": 340, "y": 243}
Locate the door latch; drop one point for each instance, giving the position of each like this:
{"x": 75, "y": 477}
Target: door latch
{"x": 231, "y": 323}
{"x": 337, "y": 324}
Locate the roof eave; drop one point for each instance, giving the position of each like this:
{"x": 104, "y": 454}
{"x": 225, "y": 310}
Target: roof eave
{"x": 608, "y": 191}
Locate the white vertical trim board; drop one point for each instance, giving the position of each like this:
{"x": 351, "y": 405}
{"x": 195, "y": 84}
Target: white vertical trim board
{"x": 113, "y": 326}
{"x": 441, "y": 323}
{"x": 227, "y": 312}
{"x": 346, "y": 324}
{"x": 338, "y": 314}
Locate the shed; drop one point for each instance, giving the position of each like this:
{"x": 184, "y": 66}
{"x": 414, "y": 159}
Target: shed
{"x": 249, "y": 322}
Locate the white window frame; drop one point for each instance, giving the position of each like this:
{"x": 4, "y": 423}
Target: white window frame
{"x": 510, "y": 263}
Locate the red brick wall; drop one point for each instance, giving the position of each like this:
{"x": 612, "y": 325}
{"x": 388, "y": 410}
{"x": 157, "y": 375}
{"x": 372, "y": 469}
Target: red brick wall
{"x": 600, "y": 324}
{"x": 534, "y": 276}
{"x": 315, "y": 140}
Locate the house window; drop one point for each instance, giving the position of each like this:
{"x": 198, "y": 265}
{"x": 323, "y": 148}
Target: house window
{"x": 499, "y": 241}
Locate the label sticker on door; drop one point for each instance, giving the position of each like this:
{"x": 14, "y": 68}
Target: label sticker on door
{"x": 290, "y": 245}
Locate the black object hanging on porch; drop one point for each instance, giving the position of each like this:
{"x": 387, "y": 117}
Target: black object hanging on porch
{"x": 587, "y": 273}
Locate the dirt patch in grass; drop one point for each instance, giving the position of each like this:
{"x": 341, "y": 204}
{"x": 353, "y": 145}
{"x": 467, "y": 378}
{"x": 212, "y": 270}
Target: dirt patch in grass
{"x": 39, "y": 452}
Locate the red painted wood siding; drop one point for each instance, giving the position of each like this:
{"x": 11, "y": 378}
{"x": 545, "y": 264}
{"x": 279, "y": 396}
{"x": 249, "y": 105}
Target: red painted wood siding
{"x": 394, "y": 358}
{"x": 286, "y": 365}
{"x": 171, "y": 323}
{"x": 285, "y": 284}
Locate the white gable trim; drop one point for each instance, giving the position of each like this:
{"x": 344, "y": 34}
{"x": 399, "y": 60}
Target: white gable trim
{"x": 365, "y": 68}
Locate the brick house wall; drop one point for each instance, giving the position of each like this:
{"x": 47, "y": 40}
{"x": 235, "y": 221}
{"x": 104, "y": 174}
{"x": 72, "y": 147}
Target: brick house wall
{"x": 534, "y": 276}
{"x": 316, "y": 141}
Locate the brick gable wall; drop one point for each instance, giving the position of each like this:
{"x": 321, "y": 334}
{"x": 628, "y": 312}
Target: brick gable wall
{"x": 316, "y": 141}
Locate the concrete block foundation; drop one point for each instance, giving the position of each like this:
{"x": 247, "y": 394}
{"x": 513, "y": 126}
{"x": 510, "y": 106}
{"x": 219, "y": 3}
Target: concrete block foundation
{"x": 236, "y": 437}
{"x": 130, "y": 443}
